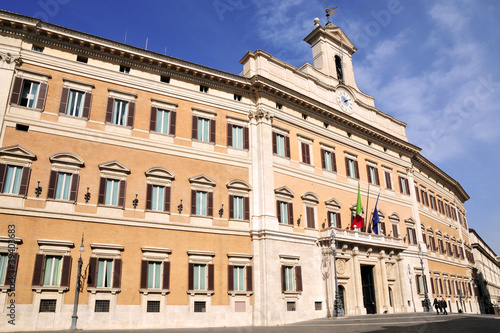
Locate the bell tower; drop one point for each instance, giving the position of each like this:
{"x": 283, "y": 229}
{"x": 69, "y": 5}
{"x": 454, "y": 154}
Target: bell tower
{"x": 332, "y": 51}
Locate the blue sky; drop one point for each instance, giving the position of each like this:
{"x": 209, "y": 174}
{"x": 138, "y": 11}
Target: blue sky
{"x": 431, "y": 64}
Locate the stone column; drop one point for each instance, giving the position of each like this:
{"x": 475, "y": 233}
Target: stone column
{"x": 263, "y": 214}
{"x": 358, "y": 288}
{"x": 403, "y": 283}
{"x": 385, "y": 285}
{"x": 9, "y": 58}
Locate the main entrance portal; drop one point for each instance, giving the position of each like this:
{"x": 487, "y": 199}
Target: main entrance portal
{"x": 368, "y": 289}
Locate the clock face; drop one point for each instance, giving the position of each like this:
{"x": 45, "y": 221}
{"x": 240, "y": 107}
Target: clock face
{"x": 344, "y": 100}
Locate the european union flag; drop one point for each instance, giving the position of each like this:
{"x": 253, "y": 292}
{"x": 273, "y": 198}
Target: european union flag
{"x": 375, "y": 218}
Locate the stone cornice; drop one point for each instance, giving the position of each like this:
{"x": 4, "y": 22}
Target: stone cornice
{"x": 421, "y": 162}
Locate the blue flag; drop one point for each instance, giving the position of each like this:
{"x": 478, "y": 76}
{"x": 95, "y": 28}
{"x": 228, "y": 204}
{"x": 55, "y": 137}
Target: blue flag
{"x": 376, "y": 219}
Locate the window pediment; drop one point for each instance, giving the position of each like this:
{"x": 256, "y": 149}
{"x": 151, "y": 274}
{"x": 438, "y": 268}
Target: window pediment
{"x": 285, "y": 191}
{"x": 202, "y": 180}
{"x": 239, "y": 184}
{"x": 160, "y": 172}
{"x": 333, "y": 203}
{"x": 395, "y": 217}
{"x": 114, "y": 166}
{"x": 410, "y": 221}
{"x": 310, "y": 197}
{"x": 17, "y": 151}
{"x": 67, "y": 158}
{"x": 381, "y": 214}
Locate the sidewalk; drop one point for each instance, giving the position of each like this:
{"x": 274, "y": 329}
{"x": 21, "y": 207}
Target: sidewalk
{"x": 401, "y": 322}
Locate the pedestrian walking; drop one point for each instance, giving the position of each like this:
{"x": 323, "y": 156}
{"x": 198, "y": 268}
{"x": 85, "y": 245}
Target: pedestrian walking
{"x": 436, "y": 305}
{"x": 444, "y": 306}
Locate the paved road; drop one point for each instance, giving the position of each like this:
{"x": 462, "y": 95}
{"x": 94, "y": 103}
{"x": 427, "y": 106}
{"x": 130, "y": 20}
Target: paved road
{"x": 400, "y": 323}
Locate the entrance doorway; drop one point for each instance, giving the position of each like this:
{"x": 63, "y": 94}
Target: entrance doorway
{"x": 368, "y": 289}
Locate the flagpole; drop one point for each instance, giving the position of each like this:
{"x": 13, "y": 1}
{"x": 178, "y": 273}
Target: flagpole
{"x": 367, "y": 197}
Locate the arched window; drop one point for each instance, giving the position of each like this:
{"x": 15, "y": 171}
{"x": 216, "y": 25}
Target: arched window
{"x": 338, "y": 65}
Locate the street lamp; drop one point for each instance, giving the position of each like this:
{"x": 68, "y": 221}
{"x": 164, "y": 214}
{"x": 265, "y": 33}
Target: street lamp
{"x": 74, "y": 317}
{"x": 412, "y": 299}
{"x": 338, "y": 309}
{"x": 427, "y": 302}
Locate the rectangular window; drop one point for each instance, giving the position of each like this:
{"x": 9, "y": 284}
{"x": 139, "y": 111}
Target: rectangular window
{"x": 63, "y": 186}
{"x": 334, "y": 220}
{"x": 165, "y": 79}
{"x": 239, "y": 278}
{"x": 120, "y": 112}
{"x": 203, "y": 129}
{"x": 388, "y": 181}
{"x": 124, "y": 69}
{"x": 162, "y": 121}
{"x": 112, "y": 192}
{"x": 352, "y": 169}
{"x": 395, "y": 232}
{"x": 104, "y": 273}
{"x": 75, "y": 103}
{"x": 12, "y": 182}
{"x": 29, "y": 94}
{"x": 101, "y": 305}
{"x": 157, "y": 198}
{"x": 199, "y": 277}
{"x": 203, "y": 89}
{"x": 154, "y": 275}
{"x": 425, "y": 199}
{"x": 279, "y": 106}
{"x": 201, "y": 203}
{"x": 372, "y": 175}
{"x": 283, "y": 212}
{"x": 328, "y": 160}
{"x": 4, "y": 258}
{"x": 200, "y": 307}
{"x": 289, "y": 279}
{"x": 280, "y": 145}
{"x": 52, "y": 271}
{"x": 412, "y": 239}
{"x": 404, "y": 186}
{"x": 47, "y": 305}
{"x": 37, "y": 48}
{"x": 306, "y": 155}
{"x": 318, "y": 306}
{"x": 420, "y": 284}
{"x": 237, "y": 136}
{"x": 153, "y": 306}
{"x": 238, "y": 208}
{"x": 311, "y": 223}
{"x": 83, "y": 59}
{"x": 290, "y": 306}
{"x": 237, "y": 98}
{"x": 432, "y": 201}
{"x": 440, "y": 206}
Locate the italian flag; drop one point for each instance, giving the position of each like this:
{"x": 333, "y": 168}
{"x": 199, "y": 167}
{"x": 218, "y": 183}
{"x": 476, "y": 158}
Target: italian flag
{"x": 358, "y": 222}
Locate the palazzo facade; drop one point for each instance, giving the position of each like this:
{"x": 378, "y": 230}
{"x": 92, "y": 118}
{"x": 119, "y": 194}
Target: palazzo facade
{"x": 204, "y": 198}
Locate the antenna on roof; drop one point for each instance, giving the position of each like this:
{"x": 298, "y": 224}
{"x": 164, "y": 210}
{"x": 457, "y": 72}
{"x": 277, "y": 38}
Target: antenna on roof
{"x": 147, "y": 43}
{"x": 126, "y": 35}
{"x": 165, "y": 50}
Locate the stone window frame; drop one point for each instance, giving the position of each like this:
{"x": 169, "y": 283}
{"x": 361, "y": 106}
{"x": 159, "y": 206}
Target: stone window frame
{"x": 160, "y": 255}
{"x": 310, "y": 200}
{"x": 332, "y": 206}
{"x": 9, "y": 246}
{"x": 410, "y": 223}
{"x": 240, "y": 188}
{"x": 394, "y": 220}
{"x": 202, "y": 183}
{"x": 241, "y": 259}
{"x": 117, "y": 171}
{"x": 159, "y": 176}
{"x": 105, "y": 251}
{"x": 203, "y": 258}
{"x": 309, "y": 142}
{"x": 285, "y": 194}
{"x": 292, "y": 261}
{"x": 17, "y": 155}
{"x": 64, "y": 162}
{"x": 31, "y": 75}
